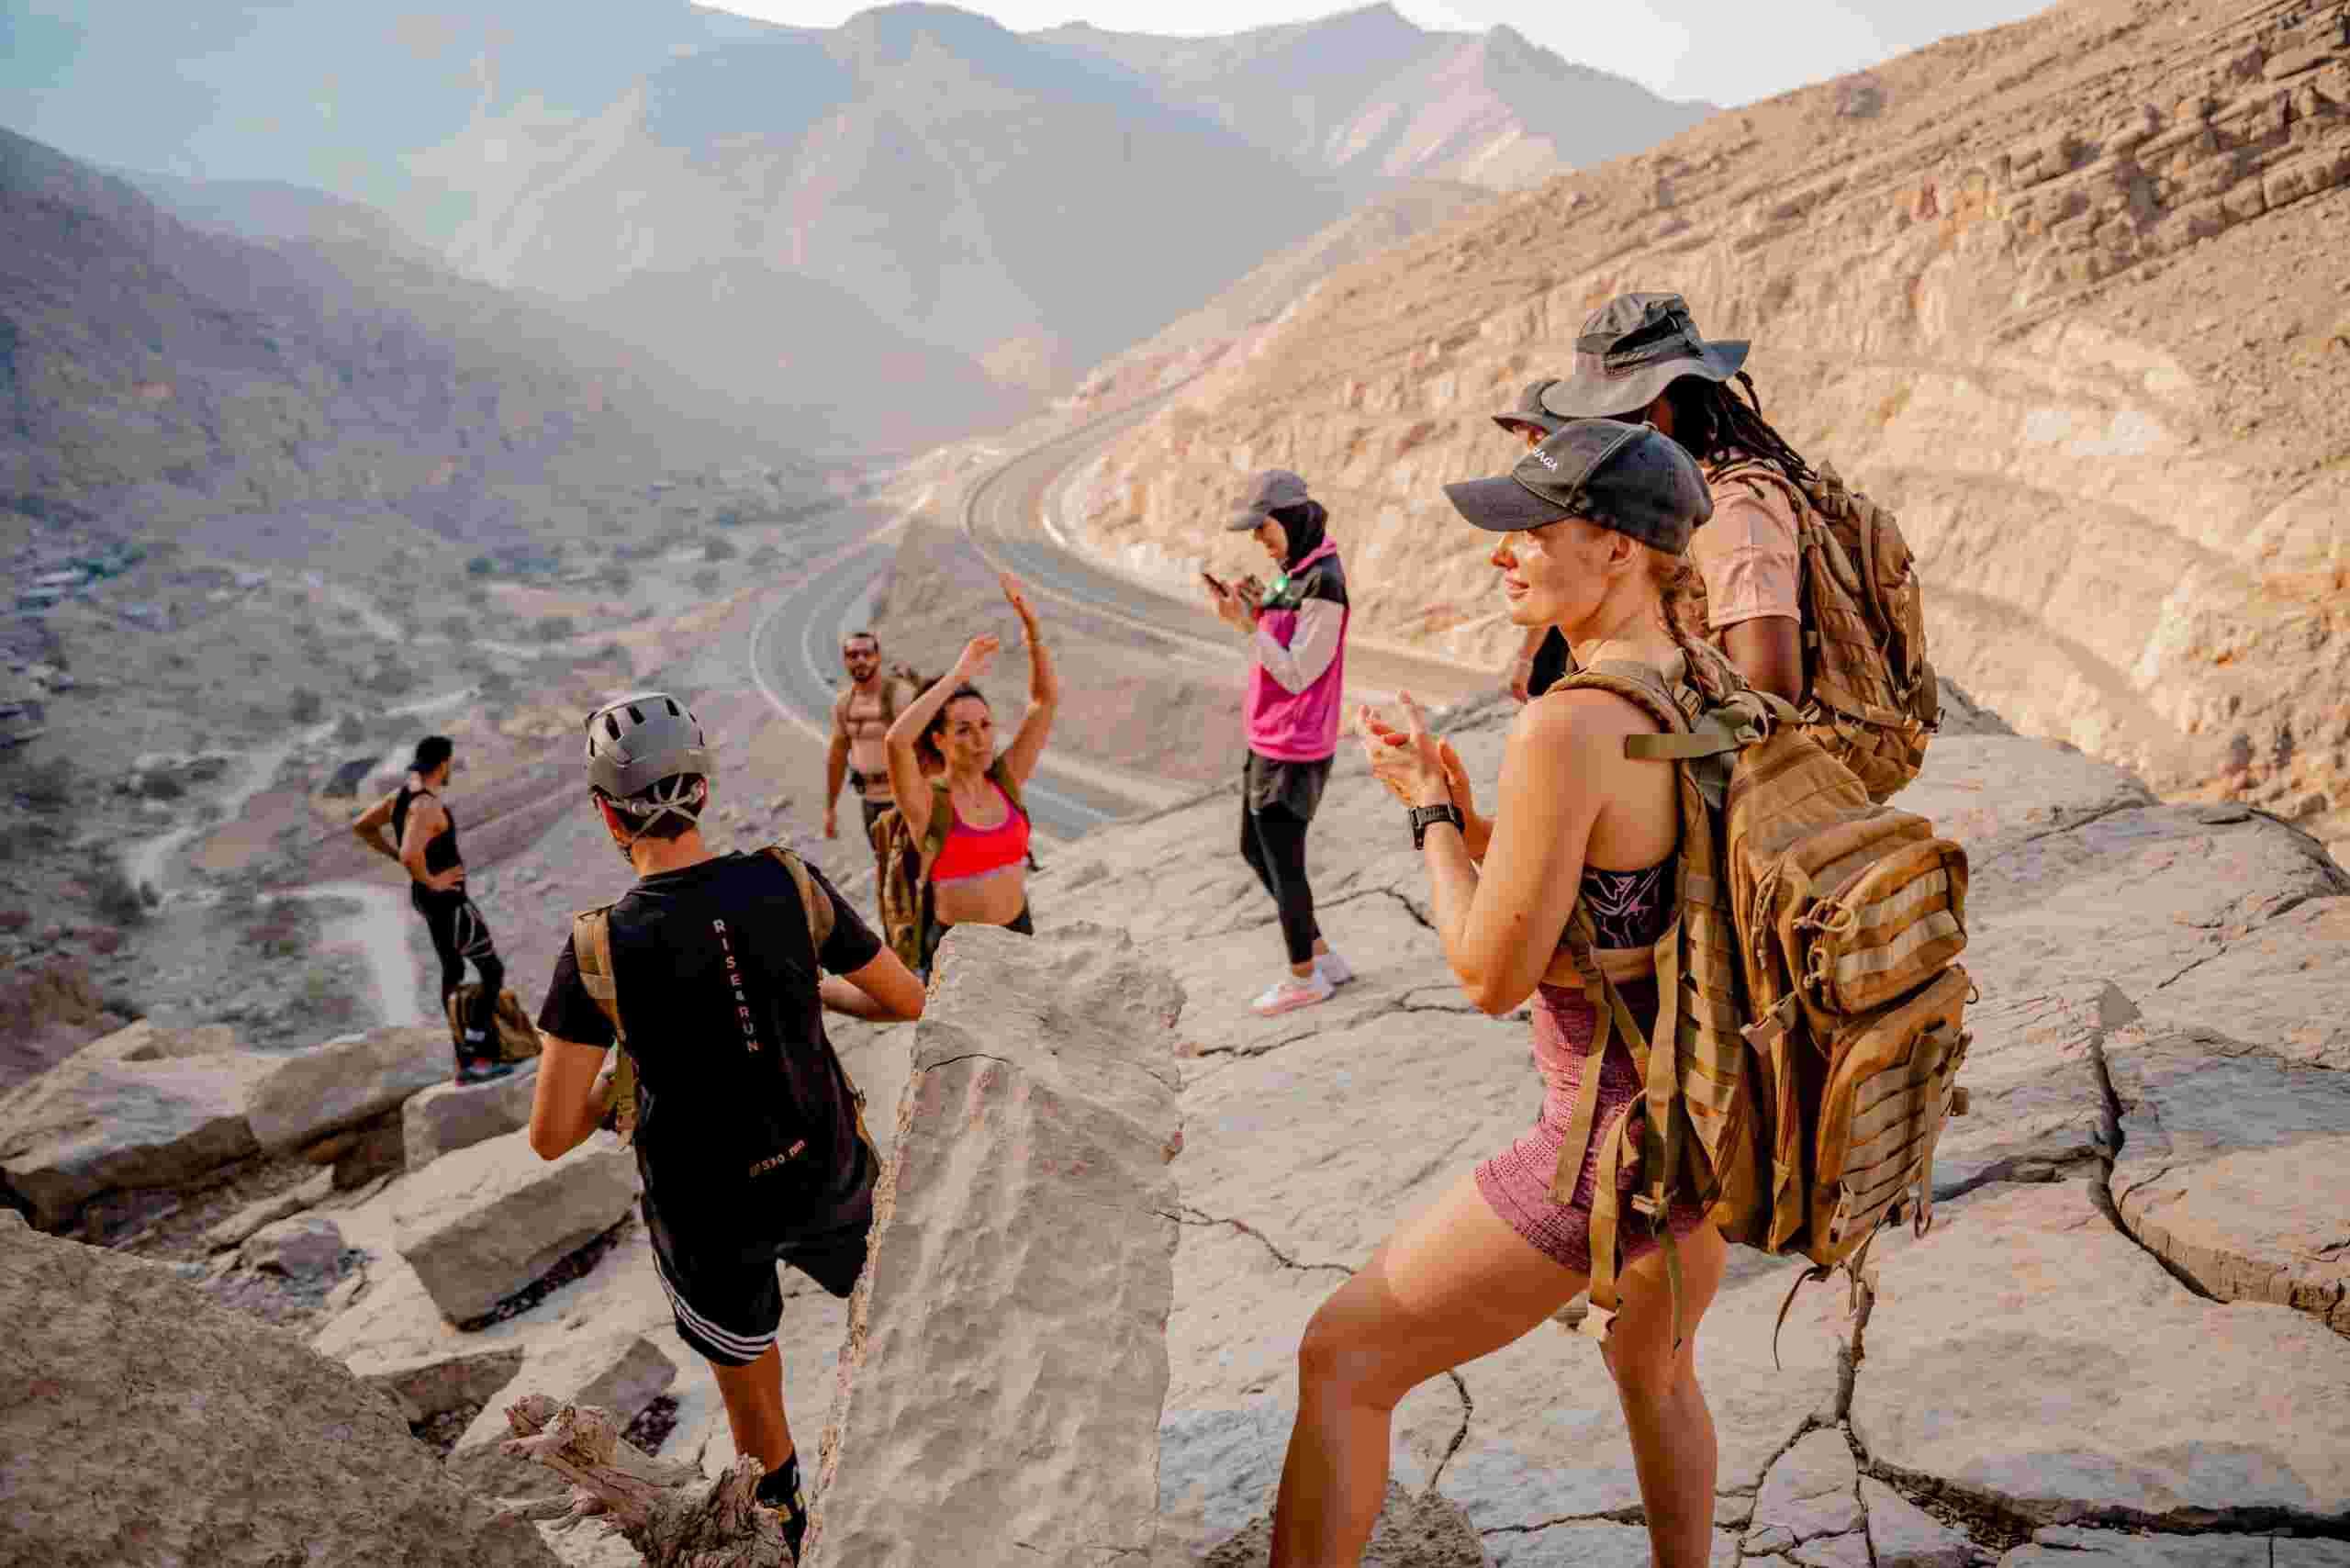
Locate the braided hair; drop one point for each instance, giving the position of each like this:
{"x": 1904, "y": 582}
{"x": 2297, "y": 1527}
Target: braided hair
{"x": 1717, "y": 425}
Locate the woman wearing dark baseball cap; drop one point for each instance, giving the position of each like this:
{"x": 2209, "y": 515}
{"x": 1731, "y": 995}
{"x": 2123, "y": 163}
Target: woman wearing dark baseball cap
{"x": 1542, "y": 658}
{"x": 1591, "y": 524}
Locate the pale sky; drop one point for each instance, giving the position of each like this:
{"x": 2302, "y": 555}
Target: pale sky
{"x": 1732, "y": 51}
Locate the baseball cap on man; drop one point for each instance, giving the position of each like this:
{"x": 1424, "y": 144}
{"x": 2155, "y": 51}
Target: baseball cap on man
{"x": 1626, "y": 477}
{"x": 1269, "y": 491}
{"x": 1530, "y": 411}
{"x": 1632, "y": 347}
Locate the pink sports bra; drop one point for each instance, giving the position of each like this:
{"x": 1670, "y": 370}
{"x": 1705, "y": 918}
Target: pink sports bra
{"x": 975, "y": 852}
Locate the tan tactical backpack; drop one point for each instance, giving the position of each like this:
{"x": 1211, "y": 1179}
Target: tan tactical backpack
{"x": 1872, "y": 699}
{"x": 1809, "y": 1026}
{"x": 512, "y": 1036}
{"x": 591, "y": 949}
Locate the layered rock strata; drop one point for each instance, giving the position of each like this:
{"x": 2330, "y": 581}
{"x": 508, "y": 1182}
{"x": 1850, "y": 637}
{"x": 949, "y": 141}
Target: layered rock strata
{"x": 2051, "y": 298}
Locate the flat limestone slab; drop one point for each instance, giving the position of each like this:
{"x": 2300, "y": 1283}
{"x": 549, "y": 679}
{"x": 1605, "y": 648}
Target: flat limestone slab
{"x": 2037, "y": 1105}
{"x": 143, "y": 1107}
{"x": 2232, "y": 1168}
{"x": 2284, "y": 987}
{"x": 2078, "y": 1548}
{"x": 2027, "y": 1350}
{"x": 449, "y": 1117}
{"x": 1006, "y": 1356}
{"x": 479, "y": 1225}
{"x": 275, "y": 1455}
{"x": 345, "y": 1082}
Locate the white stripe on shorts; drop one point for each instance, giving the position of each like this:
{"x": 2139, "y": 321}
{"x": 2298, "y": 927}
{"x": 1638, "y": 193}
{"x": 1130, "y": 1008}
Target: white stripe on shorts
{"x": 734, "y": 1344}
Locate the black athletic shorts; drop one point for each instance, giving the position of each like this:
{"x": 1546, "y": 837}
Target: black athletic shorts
{"x": 719, "y": 1271}
{"x": 873, "y": 809}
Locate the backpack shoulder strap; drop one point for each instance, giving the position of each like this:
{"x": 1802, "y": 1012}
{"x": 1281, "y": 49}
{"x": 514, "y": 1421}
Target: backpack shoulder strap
{"x": 813, "y": 903}
{"x": 1642, "y": 687}
{"x": 942, "y": 823}
{"x": 591, "y": 949}
{"x": 1008, "y": 784}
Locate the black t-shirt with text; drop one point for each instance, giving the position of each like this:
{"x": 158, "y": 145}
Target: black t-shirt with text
{"x": 739, "y": 1093}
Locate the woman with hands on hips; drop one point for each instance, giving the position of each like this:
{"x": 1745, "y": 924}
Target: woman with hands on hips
{"x": 1592, "y": 526}
{"x": 1297, "y": 649}
{"x": 980, "y": 873}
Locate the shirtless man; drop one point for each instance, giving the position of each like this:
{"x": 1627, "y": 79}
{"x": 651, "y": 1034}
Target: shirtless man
{"x": 861, "y": 720}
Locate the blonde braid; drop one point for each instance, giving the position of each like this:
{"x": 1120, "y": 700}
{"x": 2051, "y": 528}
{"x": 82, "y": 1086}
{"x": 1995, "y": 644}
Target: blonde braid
{"x": 1679, "y": 590}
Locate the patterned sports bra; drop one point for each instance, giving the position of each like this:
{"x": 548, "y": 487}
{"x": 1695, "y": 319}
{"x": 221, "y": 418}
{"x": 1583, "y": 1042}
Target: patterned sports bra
{"x": 1629, "y": 909}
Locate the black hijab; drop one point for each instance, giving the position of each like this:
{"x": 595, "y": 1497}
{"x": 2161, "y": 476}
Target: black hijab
{"x": 1304, "y": 524}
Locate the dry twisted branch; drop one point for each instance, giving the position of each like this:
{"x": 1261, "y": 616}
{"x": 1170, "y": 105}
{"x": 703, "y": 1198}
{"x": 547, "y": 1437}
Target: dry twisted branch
{"x": 670, "y": 1513}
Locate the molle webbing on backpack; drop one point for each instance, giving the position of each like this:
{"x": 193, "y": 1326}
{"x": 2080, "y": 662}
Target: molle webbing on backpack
{"x": 1690, "y": 1116}
{"x": 591, "y": 950}
{"x": 1810, "y": 1011}
{"x": 1873, "y": 698}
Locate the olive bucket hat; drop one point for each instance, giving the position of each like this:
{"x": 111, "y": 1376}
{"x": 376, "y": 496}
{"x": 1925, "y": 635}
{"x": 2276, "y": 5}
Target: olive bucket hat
{"x": 1632, "y": 347}
{"x": 1630, "y": 478}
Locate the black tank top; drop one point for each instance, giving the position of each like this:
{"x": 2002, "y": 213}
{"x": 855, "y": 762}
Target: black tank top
{"x": 440, "y": 850}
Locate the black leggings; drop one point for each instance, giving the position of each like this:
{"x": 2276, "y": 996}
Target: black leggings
{"x": 1273, "y": 843}
{"x": 459, "y": 933}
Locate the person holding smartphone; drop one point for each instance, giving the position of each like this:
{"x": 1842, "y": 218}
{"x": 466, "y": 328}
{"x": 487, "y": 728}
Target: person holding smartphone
{"x": 1297, "y": 639}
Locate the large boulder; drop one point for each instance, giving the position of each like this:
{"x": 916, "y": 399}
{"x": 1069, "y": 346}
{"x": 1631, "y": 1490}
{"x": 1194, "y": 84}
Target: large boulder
{"x": 1020, "y": 1270}
{"x": 348, "y": 1080}
{"x": 479, "y": 1225}
{"x": 143, "y": 1107}
{"x": 449, "y": 1116}
{"x": 142, "y": 1422}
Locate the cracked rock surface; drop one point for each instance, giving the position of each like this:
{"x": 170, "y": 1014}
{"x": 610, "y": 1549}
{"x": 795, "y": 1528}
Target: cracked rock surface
{"x": 2029, "y": 1365}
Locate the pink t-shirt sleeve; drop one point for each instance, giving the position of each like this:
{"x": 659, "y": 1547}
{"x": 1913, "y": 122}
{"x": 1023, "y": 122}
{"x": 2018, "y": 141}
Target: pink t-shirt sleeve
{"x": 1749, "y": 557}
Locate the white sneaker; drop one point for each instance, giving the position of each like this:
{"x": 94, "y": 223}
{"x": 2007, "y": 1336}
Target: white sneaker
{"x": 1334, "y": 968}
{"x": 1292, "y": 992}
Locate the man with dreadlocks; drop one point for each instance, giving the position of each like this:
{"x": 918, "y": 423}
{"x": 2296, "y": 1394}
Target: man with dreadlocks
{"x": 1641, "y": 357}
{"x": 711, "y": 974}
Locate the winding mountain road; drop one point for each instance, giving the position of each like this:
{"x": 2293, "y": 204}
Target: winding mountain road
{"x": 794, "y": 649}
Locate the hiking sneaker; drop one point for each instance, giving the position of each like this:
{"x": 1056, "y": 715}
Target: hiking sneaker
{"x": 779, "y": 1490}
{"x": 1292, "y": 992}
{"x": 483, "y": 1070}
{"x": 1334, "y": 968}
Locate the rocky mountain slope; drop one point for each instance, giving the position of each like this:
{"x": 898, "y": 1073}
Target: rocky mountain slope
{"x": 2050, "y": 291}
{"x": 1366, "y": 95}
{"x": 2124, "y": 1337}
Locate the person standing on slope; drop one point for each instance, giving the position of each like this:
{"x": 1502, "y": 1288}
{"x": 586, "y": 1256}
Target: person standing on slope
{"x": 962, "y": 799}
{"x": 1297, "y": 641}
{"x": 424, "y": 843}
{"x": 1543, "y": 657}
{"x": 712, "y": 973}
{"x": 1592, "y": 527}
{"x": 1640, "y": 358}
{"x": 861, "y": 720}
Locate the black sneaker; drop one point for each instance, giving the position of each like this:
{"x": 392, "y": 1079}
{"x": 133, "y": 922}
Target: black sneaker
{"x": 779, "y": 1490}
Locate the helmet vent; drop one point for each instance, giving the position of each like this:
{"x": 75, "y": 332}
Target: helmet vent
{"x": 635, "y": 714}
{"x": 673, "y": 704}
{"x": 611, "y": 726}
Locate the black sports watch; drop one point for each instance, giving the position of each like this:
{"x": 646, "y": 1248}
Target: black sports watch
{"x": 1423, "y": 817}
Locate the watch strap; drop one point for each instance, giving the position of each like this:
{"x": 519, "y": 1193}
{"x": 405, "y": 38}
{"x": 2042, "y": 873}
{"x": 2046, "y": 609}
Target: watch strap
{"x": 1425, "y": 817}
